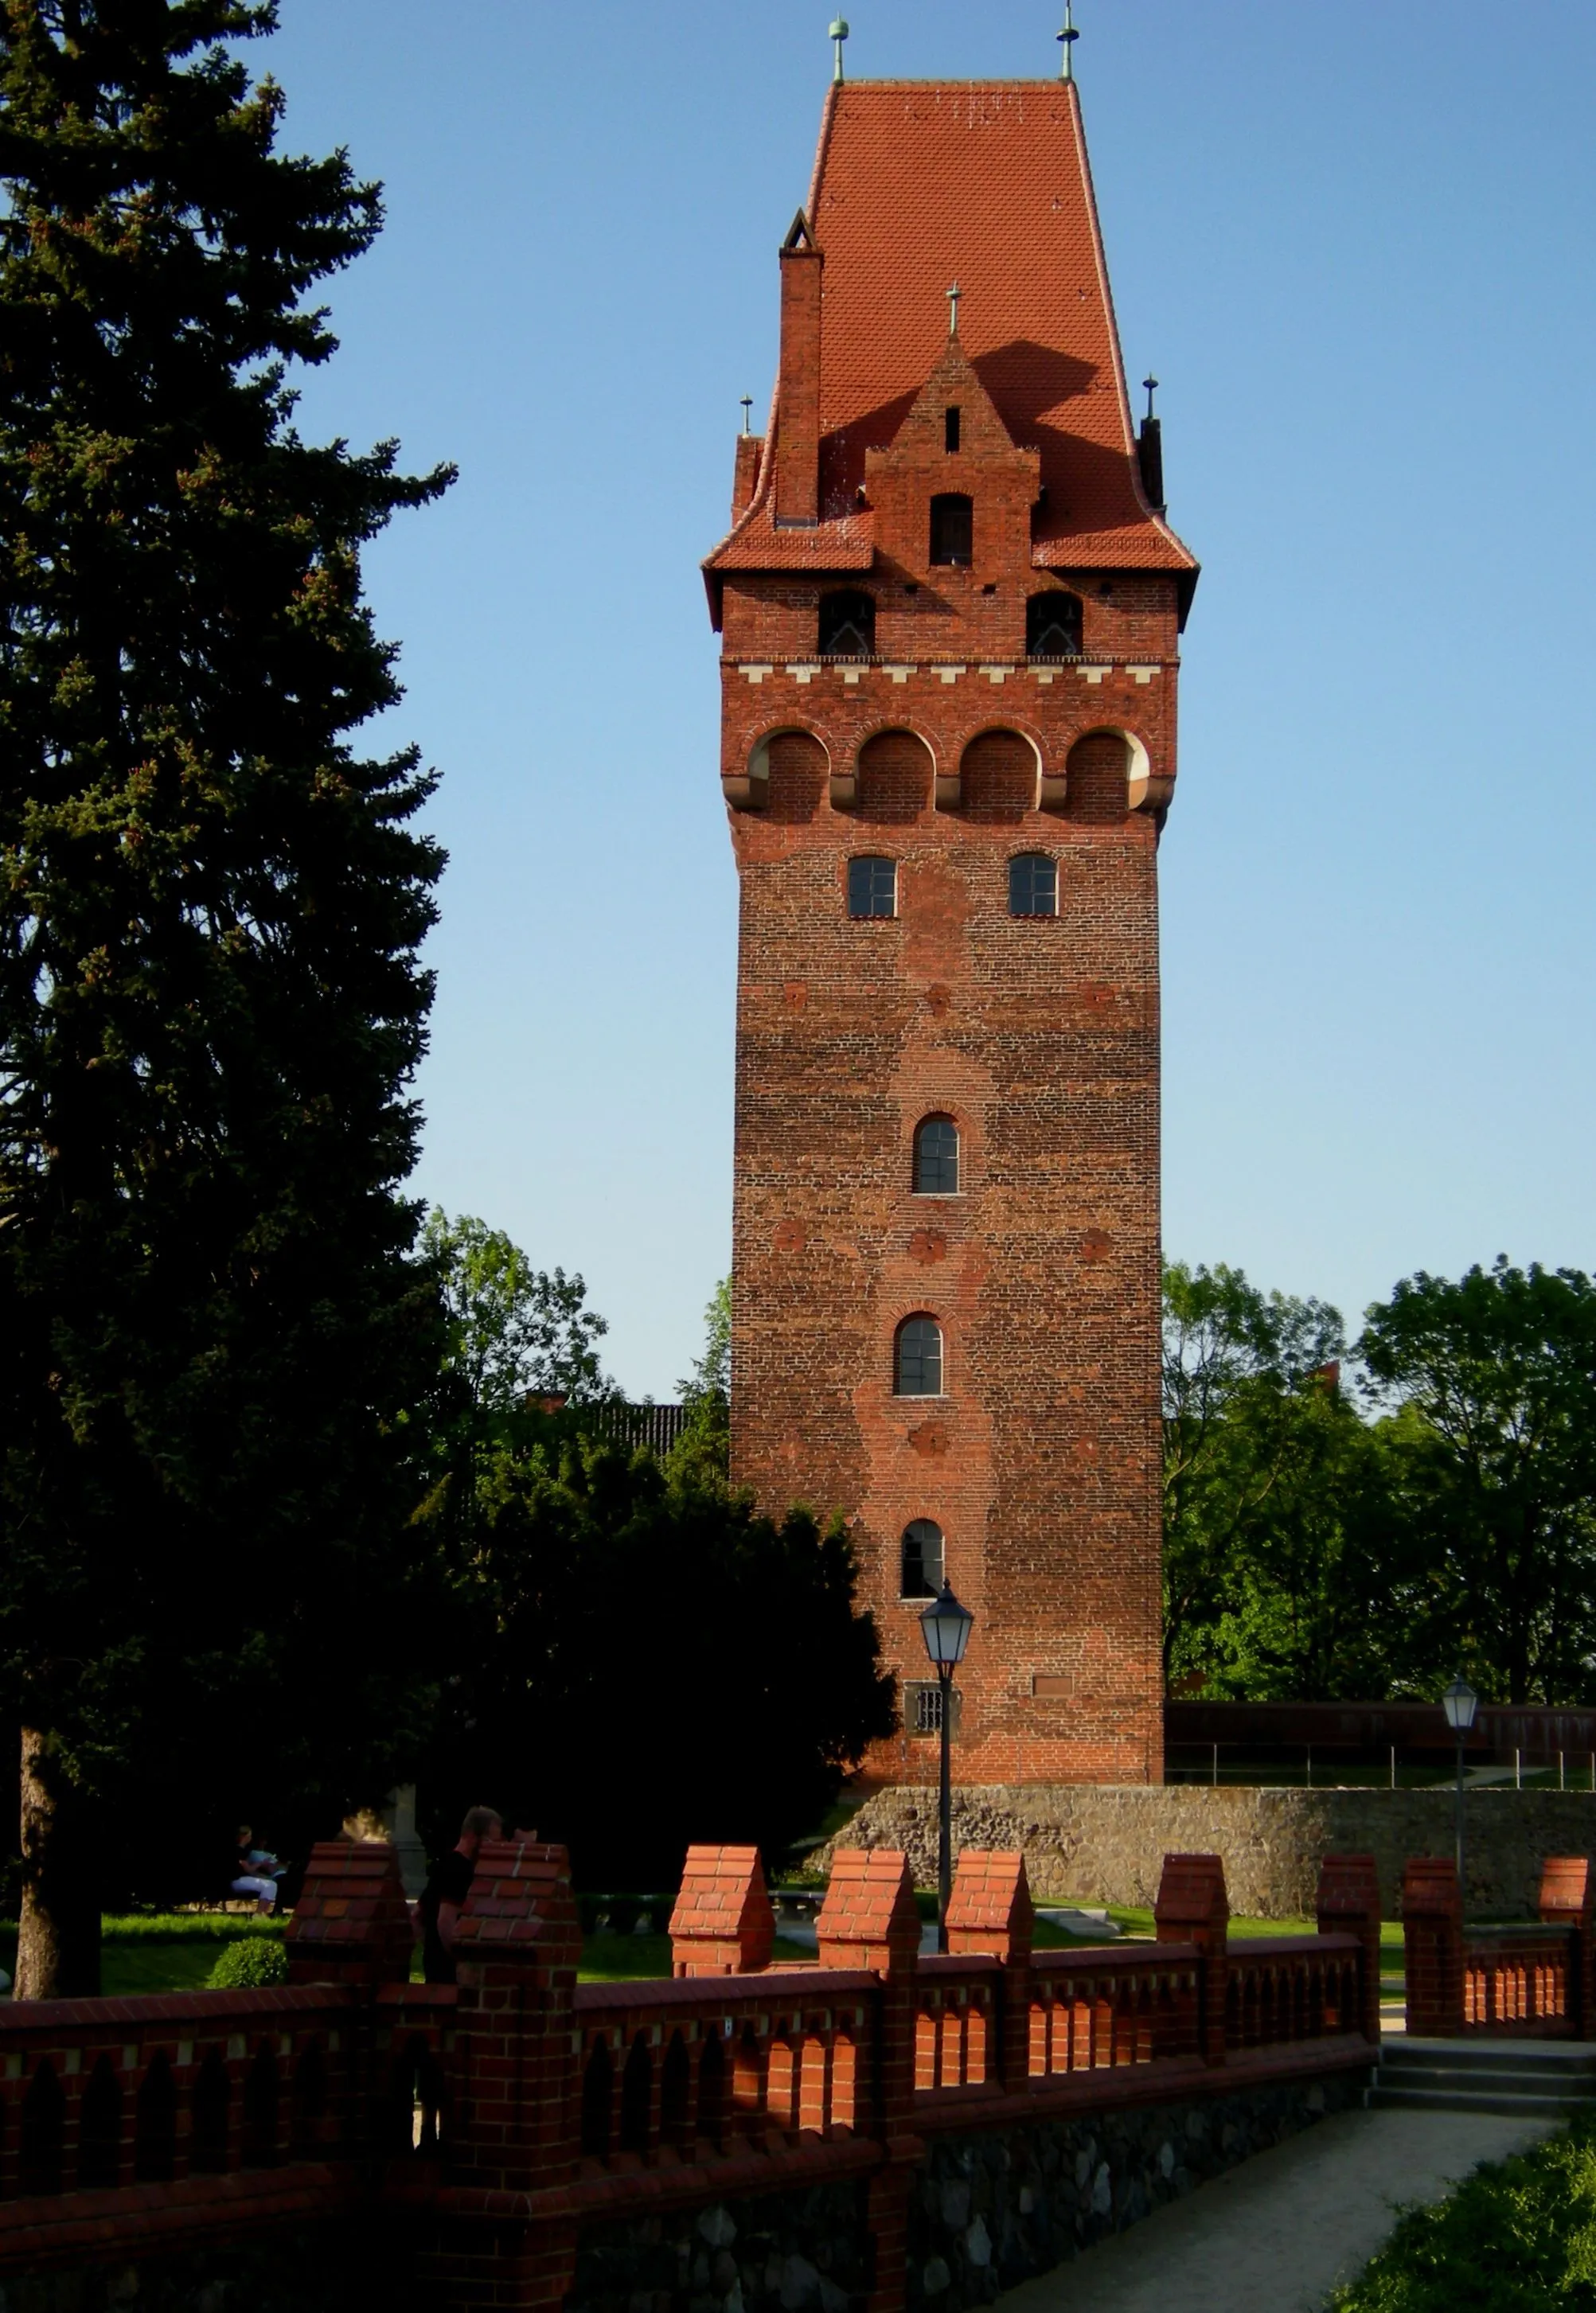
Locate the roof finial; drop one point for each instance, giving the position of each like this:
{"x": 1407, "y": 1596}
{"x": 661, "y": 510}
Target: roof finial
{"x": 1151, "y": 385}
{"x": 837, "y": 34}
{"x": 1069, "y": 37}
{"x": 954, "y": 294}
{"x": 747, "y": 413}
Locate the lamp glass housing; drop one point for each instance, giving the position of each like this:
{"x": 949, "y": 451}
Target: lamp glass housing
{"x": 1460, "y": 1702}
{"x": 944, "y": 1626}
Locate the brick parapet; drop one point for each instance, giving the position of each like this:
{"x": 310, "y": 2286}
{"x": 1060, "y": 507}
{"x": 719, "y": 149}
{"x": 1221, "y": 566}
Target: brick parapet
{"x": 1432, "y": 1946}
{"x": 1568, "y": 1899}
{"x": 1192, "y": 1907}
{"x": 1348, "y": 1903}
{"x": 816, "y": 2075}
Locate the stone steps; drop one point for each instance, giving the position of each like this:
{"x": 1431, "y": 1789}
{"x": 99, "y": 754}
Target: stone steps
{"x": 1528, "y": 2079}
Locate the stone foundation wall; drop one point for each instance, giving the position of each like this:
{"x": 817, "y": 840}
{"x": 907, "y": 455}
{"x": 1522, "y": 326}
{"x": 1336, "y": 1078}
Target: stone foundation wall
{"x": 1106, "y": 1843}
{"x": 985, "y": 2212}
{"x": 990, "y": 2211}
{"x": 332, "y": 2269}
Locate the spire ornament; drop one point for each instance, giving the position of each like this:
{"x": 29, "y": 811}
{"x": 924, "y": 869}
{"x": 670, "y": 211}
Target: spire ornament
{"x": 837, "y": 35}
{"x": 1068, "y": 37}
{"x": 954, "y": 294}
{"x": 747, "y": 413}
{"x": 1151, "y": 385}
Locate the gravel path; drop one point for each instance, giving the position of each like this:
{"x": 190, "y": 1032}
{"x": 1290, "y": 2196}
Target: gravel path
{"x": 1277, "y": 2234}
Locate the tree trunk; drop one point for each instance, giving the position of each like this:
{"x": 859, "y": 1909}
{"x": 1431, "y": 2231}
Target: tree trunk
{"x": 58, "y": 1939}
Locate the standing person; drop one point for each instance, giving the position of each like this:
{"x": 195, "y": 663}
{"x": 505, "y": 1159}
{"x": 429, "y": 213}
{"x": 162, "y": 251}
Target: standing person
{"x": 256, "y": 1871}
{"x": 446, "y": 1891}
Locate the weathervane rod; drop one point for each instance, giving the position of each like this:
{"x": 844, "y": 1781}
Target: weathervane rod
{"x": 1068, "y": 37}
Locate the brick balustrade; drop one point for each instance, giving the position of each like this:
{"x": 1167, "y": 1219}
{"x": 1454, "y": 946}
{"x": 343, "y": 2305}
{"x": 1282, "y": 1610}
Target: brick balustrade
{"x": 496, "y": 2116}
{"x": 1517, "y": 1981}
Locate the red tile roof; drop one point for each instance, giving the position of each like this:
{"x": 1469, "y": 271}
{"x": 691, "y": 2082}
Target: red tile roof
{"x": 918, "y": 184}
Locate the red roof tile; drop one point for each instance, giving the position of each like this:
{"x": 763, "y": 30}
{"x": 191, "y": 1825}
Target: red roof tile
{"x": 919, "y": 184}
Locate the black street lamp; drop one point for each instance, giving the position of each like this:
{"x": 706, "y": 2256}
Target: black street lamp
{"x": 946, "y": 1628}
{"x": 1459, "y": 1703}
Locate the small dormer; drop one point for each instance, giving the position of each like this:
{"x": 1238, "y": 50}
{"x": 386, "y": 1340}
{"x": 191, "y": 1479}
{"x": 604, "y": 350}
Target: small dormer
{"x": 953, "y": 493}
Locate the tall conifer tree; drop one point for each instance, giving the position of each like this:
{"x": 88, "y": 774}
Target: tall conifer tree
{"x": 210, "y": 1000}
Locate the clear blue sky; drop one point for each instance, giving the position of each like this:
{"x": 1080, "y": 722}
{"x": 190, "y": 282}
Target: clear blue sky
{"x": 1357, "y": 246}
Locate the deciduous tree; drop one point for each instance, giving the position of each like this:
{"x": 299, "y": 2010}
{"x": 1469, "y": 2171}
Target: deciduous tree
{"x": 1496, "y": 1376}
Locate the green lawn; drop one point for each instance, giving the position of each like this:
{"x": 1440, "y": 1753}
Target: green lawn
{"x": 174, "y": 1951}
{"x": 1517, "y": 2236}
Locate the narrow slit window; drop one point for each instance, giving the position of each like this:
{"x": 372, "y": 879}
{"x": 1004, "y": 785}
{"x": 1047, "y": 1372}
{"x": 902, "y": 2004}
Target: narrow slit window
{"x": 917, "y": 1359}
{"x": 1032, "y": 885}
{"x": 936, "y": 1157}
{"x": 922, "y": 1558}
{"x": 950, "y": 427}
{"x": 872, "y": 886}
{"x": 953, "y": 528}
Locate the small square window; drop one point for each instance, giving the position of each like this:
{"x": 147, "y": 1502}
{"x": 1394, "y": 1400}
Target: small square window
{"x": 922, "y": 1707}
{"x": 1032, "y": 885}
{"x": 872, "y": 887}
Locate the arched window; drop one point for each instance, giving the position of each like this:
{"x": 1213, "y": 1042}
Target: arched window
{"x": 917, "y": 1358}
{"x": 872, "y": 886}
{"x": 1032, "y": 885}
{"x": 1052, "y": 626}
{"x": 847, "y": 625}
{"x": 923, "y": 1560}
{"x": 936, "y": 1157}
{"x": 953, "y": 527}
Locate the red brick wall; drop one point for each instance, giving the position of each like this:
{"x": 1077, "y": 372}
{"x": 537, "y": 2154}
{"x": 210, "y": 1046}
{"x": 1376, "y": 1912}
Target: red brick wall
{"x": 1040, "y": 1037}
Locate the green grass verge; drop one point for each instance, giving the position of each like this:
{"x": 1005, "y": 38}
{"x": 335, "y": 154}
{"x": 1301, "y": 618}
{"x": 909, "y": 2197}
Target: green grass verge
{"x": 1517, "y": 2236}
{"x": 619, "y": 1959}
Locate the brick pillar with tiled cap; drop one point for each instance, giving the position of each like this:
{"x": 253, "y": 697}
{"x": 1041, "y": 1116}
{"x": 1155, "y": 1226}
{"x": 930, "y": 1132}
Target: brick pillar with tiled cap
{"x": 1193, "y": 1908}
{"x": 517, "y": 1946}
{"x": 351, "y": 1924}
{"x": 991, "y": 1911}
{"x": 1348, "y": 1904}
{"x": 1568, "y": 1898}
{"x": 869, "y": 1920}
{"x": 1433, "y": 1946}
{"x": 723, "y": 1923}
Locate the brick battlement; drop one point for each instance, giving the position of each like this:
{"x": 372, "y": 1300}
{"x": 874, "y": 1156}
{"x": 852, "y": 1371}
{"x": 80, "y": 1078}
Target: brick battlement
{"x": 496, "y": 2116}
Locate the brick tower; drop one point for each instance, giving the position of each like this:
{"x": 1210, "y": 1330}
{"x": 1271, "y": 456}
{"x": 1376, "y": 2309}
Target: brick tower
{"x": 950, "y": 607}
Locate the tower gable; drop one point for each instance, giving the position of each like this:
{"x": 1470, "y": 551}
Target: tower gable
{"x": 953, "y": 443}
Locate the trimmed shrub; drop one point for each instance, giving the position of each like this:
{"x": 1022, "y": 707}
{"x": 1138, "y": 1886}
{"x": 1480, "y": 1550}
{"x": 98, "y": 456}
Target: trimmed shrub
{"x": 251, "y": 1961}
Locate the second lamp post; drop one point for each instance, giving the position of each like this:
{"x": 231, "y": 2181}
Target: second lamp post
{"x": 1460, "y": 1702}
{"x": 946, "y": 1628}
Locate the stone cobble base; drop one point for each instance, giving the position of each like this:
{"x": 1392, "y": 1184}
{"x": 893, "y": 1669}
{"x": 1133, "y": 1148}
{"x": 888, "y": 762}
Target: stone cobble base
{"x": 1104, "y": 1843}
{"x": 330, "y": 2269}
{"x": 799, "y": 2252}
{"x": 985, "y": 2212}
{"x": 991, "y": 2211}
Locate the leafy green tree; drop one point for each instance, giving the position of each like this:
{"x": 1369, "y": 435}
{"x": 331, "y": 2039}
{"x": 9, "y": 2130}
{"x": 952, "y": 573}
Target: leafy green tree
{"x": 1312, "y": 1599}
{"x": 1232, "y": 1357}
{"x": 1495, "y": 1377}
{"x": 211, "y": 1006}
{"x": 702, "y": 1453}
{"x": 515, "y": 1332}
{"x": 651, "y": 1663}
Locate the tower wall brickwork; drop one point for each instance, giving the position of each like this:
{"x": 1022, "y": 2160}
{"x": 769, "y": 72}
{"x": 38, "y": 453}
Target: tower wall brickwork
{"x": 944, "y": 738}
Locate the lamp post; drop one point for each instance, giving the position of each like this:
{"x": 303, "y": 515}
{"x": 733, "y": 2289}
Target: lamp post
{"x": 944, "y": 1626}
{"x": 1460, "y": 1702}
